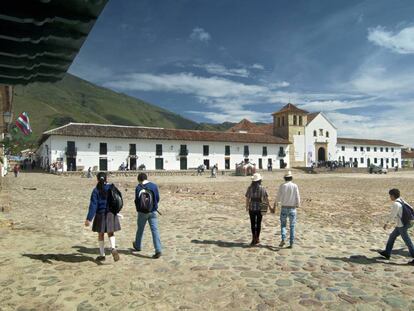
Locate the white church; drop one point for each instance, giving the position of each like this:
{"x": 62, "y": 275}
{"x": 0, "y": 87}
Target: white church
{"x": 296, "y": 138}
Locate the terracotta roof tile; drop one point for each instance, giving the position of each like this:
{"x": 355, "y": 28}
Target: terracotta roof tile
{"x": 312, "y": 116}
{"x": 371, "y": 142}
{"x": 243, "y": 125}
{"x": 291, "y": 108}
{"x": 137, "y": 132}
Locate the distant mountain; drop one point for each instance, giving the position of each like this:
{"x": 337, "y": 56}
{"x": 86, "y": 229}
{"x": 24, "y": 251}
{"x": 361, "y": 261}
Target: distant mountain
{"x": 75, "y": 100}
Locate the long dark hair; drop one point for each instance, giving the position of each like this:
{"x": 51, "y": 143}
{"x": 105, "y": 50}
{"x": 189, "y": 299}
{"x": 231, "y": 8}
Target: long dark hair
{"x": 101, "y": 177}
{"x": 256, "y": 184}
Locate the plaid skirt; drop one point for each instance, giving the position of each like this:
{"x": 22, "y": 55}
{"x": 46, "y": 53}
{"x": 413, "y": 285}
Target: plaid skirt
{"x": 106, "y": 222}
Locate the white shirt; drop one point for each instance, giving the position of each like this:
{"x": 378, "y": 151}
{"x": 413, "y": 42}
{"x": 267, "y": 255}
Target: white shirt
{"x": 396, "y": 214}
{"x": 288, "y": 194}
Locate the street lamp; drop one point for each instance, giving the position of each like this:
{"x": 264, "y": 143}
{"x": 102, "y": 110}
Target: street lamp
{"x": 7, "y": 117}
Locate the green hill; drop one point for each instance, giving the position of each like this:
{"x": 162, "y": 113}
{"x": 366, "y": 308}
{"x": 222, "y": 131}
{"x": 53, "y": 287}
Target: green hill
{"x": 75, "y": 100}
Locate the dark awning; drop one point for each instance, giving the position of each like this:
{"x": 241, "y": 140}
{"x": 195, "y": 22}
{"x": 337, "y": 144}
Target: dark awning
{"x": 39, "y": 39}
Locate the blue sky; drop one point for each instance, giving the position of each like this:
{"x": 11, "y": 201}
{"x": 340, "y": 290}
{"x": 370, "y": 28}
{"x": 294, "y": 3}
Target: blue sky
{"x": 224, "y": 60}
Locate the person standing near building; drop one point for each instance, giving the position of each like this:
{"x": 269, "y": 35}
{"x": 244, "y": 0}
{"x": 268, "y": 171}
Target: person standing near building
{"x": 103, "y": 220}
{"x": 288, "y": 198}
{"x": 147, "y": 197}
{"x": 16, "y": 170}
{"x": 255, "y": 195}
{"x": 400, "y": 229}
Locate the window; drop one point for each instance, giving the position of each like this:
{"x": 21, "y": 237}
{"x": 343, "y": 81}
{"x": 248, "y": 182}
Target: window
{"x": 132, "y": 149}
{"x": 392, "y": 149}
{"x": 282, "y": 153}
{"x": 386, "y": 149}
{"x": 315, "y": 133}
{"x": 343, "y": 148}
{"x": 368, "y": 149}
{"x": 295, "y": 120}
{"x": 264, "y": 151}
{"x": 355, "y": 148}
{"x": 283, "y": 121}
{"x": 382, "y": 149}
{"x": 375, "y": 149}
{"x": 320, "y": 132}
{"x": 299, "y": 133}
{"x": 183, "y": 150}
{"x": 206, "y": 150}
{"x": 350, "y": 160}
{"x": 362, "y": 149}
{"x": 327, "y": 134}
{"x": 278, "y": 122}
{"x": 396, "y": 160}
{"x": 227, "y": 150}
{"x": 103, "y": 149}
{"x": 246, "y": 152}
{"x": 375, "y": 160}
{"x": 362, "y": 160}
{"x": 158, "y": 150}
{"x": 300, "y": 120}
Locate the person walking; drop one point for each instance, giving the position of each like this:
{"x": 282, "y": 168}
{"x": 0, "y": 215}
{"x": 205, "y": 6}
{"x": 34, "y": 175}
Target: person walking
{"x": 395, "y": 216}
{"x": 103, "y": 220}
{"x": 147, "y": 197}
{"x": 288, "y": 198}
{"x": 256, "y": 195}
{"x": 16, "y": 170}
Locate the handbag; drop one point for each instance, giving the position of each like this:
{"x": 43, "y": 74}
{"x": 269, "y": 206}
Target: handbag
{"x": 264, "y": 207}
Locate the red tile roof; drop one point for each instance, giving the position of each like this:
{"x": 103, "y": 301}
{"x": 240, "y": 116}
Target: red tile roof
{"x": 407, "y": 154}
{"x": 291, "y": 108}
{"x": 370, "y": 142}
{"x": 312, "y": 116}
{"x": 138, "y": 132}
{"x": 243, "y": 125}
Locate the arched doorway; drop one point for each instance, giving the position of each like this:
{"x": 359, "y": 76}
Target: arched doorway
{"x": 322, "y": 154}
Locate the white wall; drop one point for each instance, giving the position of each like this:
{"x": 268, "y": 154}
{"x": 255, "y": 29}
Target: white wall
{"x": 320, "y": 122}
{"x": 118, "y": 152}
{"x": 371, "y": 154}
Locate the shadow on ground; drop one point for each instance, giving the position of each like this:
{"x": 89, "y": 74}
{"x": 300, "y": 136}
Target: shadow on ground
{"x": 69, "y": 258}
{"x": 233, "y": 244}
{"x": 95, "y": 251}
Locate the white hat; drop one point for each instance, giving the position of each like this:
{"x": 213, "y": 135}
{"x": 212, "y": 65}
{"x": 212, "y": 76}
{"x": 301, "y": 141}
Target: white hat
{"x": 289, "y": 174}
{"x": 256, "y": 177}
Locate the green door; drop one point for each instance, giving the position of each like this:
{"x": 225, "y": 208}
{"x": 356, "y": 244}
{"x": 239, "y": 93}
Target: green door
{"x": 159, "y": 163}
{"x": 183, "y": 163}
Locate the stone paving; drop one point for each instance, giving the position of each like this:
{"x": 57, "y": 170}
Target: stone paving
{"x": 47, "y": 262}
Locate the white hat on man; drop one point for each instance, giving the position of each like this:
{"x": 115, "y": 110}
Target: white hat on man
{"x": 256, "y": 177}
{"x": 289, "y": 174}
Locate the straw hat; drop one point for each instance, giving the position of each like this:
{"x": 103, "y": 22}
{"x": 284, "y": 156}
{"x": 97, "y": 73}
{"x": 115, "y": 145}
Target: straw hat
{"x": 289, "y": 174}
{"x": 256, "y": 177}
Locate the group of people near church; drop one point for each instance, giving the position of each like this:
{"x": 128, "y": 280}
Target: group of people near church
{"x": 257, "y": 204}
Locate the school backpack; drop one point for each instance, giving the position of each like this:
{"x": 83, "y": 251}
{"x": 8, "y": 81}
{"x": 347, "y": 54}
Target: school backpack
{"x": 145, "y": 201}
{"x": 407, "y": 216}
{"x": 115, "y": 201}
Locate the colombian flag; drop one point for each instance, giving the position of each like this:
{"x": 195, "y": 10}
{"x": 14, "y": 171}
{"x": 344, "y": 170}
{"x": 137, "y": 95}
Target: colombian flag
{"x": 23, "y": 123}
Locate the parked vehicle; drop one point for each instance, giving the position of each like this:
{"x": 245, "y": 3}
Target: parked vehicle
{"x": 374, "y": 169}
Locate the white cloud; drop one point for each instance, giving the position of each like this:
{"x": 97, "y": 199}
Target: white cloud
{"x": 257, "y": 67}
{"x": 277, "y": 85}
{"x": 217, "y": 69}
{"x": 199, "y": 34}
{"x": 401, "y": 42}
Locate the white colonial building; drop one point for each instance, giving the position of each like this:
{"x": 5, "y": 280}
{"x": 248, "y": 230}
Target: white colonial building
{"x": 79, "y": 146}
{"x": 296, "y": 138}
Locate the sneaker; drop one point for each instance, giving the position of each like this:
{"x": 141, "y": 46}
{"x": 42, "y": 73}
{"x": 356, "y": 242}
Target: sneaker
{"x": 290, "y": 246}
{"x": 100, "y": 258}
{"x": 115, "y": 254}
{"x": 282, "y": 244}
{"x": 157, "y": 255}
{"x": 135, "y": 247}
{"x": 384, "y": 254}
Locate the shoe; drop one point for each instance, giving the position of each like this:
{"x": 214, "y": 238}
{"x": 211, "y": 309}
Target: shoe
{"x": 100, "y": 258}
{"x": 384, "y": 254}
{"x": 411, "y": 263}
{"x": 282, "y": 243}
{"x": 115, "y": 254}
{"x": 157, "y": 255}
{"x": 135, "y": 248}
{"x": 257, "y": 241}
{"x": 290, "y": 246}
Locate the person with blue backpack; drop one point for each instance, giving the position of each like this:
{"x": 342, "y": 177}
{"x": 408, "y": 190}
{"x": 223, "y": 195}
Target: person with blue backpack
{"x": 402, "y": 214}
{"x": 147, "y": 197}
{"x": 103, "y": 211}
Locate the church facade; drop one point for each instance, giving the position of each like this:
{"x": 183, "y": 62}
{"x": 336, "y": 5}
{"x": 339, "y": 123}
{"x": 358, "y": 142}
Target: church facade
{"x": 296, "y": 138}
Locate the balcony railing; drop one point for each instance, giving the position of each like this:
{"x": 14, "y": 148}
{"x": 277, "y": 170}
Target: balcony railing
{"x": 246, "y": 154}
{"x": 282, "y": 154}
{"x": 183, "y": 152}
{"x": 71, "y": 152}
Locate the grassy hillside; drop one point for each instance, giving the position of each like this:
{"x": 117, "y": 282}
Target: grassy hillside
{"x": 75, "y": 100}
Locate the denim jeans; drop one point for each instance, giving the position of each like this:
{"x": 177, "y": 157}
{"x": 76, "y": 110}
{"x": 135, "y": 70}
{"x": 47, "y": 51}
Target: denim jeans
{"x": 284, "y": 214}
{"x": 153, "y": 222}
{"x": 255, "y": 222}
{"x": 404, "y": 235}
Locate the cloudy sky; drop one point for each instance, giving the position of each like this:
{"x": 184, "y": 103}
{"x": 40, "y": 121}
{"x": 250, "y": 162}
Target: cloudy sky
{"x": 224, "y": 60}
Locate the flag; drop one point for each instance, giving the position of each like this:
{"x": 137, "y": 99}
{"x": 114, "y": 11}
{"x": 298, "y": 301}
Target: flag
{"x": 23, "y": 123}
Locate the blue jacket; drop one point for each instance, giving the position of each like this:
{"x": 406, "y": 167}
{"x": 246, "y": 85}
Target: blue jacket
{"x": 98, "y": 204}
{"x": 154, "y": 188}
